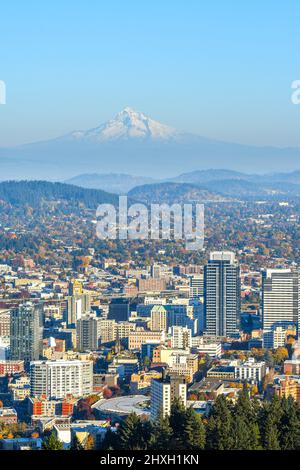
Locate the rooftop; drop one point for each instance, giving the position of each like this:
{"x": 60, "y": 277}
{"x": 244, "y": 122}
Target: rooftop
{"x": 124, "y": 405}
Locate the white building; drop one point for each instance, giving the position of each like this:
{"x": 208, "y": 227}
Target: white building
{"x": 205, "y": 346}
{"x": 250, "y": 371}
{"x": 57, "y": 379}
{"x": 280, "y": 334}
{"x": 181, "y": 337}
{"x": 280, "y": 300}
{"x": 196, "y": 286}
{"x": 163, "y": 393}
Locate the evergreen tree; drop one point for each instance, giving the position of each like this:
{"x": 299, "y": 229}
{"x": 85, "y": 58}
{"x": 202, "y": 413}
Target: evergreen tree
{"x": 243, "y": 405}
{"x": 177, "y": 423}
{"x": 219, "y": 428}
{"x": 134, "y": 433}
{"x": 290, "y": 425}
{"x": 245, "y": 427}
{"x": 52, "y": 443}
{"x": 269, "y": 419}
{"x": 111, "y": 441}
{"x": 194, "y": 432}
{"x": 162, "y": 433}
{"x": 271, "y": 436}
{"x": 146, "y": 434}
{"x": 76, "y": 444}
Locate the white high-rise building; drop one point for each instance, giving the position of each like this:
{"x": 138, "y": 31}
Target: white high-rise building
{"x": 57, "y": 379}
{"x": 163, "y": 393}
{"x": 280, "y": 301}
{"x": 77, "y": 306}
{"x": 196, "y": 286}
{"x": 181, "y": 337}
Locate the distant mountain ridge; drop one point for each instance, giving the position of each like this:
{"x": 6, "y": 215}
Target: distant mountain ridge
{"x": 222, "y": 182}
{"x": 174, "y": 193}
{"x": 116, "y": 183}
{"x": 35, "y": 193}
{"x": 202, "y": 176}
{"x": 134, "y": 143}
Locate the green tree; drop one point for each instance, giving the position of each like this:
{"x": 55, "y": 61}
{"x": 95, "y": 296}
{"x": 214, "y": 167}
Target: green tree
{"x": 245, "y": 427}
{"x": 290, "y": 425}
{"x": 271, "y": 436}
{"x": 146, "y": 361}
{"x": 271, "y": 421}
{"x": 193, "y": 432}
{"x": 219, "y": 428}
{"x": 111, "y": 441}
{"x": 76, "y": 444}
{"x": 52, "y": 443}
{"x": 177, "y": 423}
{"x": 162, "y": 433}
{"x": 134, "y": 433}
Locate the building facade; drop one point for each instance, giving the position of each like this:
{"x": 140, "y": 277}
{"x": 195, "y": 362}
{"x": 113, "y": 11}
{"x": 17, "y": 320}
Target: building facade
{"x": 58, "y": 379}
{"x": 222, "y": 294}
{"x": 26, "y": 332}
{"x": 280, "y": 301}
{"x": 163, "y": 392}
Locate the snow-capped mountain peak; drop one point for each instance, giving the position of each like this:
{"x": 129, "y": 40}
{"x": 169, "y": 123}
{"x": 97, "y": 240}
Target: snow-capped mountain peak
{"x": 128, "y": 124}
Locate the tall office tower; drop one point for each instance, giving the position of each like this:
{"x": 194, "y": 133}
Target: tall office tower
{"x": 158, "y": 320}
{"x": 155, "y": 271}
{"x": 26, "y": 332}
{"x": 119, "y": 309}
{"x": 222, "y": 294}
{"x": 88, "y": 331}
{"x": 163, "y": 393}
{"x": 280, "y": 301}
{"x": 77, "y": 306}
{"x": 196, "y": 286}
{"x": 57, "y": 379}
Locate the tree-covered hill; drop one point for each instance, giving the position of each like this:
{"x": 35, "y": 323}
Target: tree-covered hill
{"x": 35, "y": 193}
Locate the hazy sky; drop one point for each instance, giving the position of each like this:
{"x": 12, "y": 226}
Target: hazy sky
{"x": 218, "y": 68}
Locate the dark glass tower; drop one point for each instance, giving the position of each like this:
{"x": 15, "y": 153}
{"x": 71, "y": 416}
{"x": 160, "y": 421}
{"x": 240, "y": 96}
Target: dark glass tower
{"x": 222, "y": 294}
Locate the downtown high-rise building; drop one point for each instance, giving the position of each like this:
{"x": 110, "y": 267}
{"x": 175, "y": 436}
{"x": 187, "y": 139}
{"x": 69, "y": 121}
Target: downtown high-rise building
{"x": 222, "y": 294}
{"x": 196, "y": 286}
{"x": 77, "y": 306}
{"x": 88, "y": 329}
{"x": 163, "y": 393}
{"x": 280, "y": 301}
{"x": 58, "y": 379}
{"x": 26, "y": 330}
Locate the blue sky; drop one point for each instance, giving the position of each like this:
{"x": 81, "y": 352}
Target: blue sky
{"x": 222, "y": 68}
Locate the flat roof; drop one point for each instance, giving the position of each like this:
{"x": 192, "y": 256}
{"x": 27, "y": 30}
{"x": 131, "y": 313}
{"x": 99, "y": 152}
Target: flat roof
{"x": 124, "y": 405}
